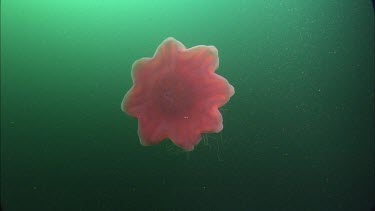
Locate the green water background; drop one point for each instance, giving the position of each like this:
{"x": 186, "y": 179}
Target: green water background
{"x": 298, "y": 134}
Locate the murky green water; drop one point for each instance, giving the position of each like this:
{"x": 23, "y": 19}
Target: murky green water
{"x": 298, "y": 134}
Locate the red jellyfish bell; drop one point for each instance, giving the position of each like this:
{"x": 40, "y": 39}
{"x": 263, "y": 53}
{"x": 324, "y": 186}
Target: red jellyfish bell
{"x": 176, "y": 94}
